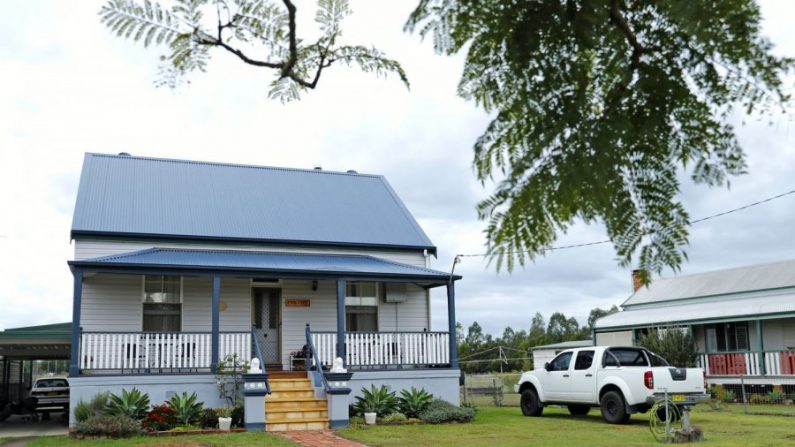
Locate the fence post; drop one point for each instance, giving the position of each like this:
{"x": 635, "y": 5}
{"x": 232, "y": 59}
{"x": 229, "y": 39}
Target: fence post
{"x": 742, "y": 387}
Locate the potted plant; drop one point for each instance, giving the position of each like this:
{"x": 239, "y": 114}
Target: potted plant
{"x": 224, "y": 418}
{"x": 374, "y": 402}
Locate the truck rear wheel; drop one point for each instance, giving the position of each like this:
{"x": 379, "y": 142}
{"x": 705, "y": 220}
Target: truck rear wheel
{"x": 614, "y": 409}
{"x": 530, "y": 404}
{"x": 579, "y": 410}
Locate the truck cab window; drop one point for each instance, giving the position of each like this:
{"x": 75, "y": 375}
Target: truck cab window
{"x": 584, "y": 360}
{"x": 561, "y": 362}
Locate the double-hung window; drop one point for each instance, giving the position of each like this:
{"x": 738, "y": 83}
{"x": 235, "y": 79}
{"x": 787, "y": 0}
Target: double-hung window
{"x": 361, "y": 306}
{"x": 162, "y": 303}
{"x": 727, "y": 337}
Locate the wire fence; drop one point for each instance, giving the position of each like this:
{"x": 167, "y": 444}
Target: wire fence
{"x": 490, "y": 389}
{"x": 496, "y": 389}
{"x": 751, "y": 398}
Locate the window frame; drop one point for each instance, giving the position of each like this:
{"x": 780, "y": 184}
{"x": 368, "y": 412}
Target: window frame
{"x": 356, "y": 302}
{"x": 181, "y": 301}
{"x": 722, "y": 337}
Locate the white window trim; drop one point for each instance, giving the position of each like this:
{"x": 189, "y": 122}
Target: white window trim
{"x": 181, "y": 300}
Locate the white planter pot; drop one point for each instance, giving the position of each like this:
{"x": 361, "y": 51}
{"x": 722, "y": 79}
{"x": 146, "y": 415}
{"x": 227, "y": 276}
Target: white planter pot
{"x": 225, "y": 424}
{"x": 369, "y": 418}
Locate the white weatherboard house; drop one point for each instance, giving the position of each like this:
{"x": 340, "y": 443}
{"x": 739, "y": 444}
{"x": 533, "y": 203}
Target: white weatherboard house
{"x": 742, "y": 319}
{"x": 178, "y": 264}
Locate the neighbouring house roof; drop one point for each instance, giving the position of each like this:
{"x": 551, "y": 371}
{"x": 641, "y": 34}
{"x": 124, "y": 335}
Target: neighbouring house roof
{"x": 757, "y": 291}
{"x": 154, "y": 197}
{"x": 703, "y": 311}
{"x": 752, "y": 278}
{"x": 566, "y": 345}
{"x": 37, "y": 342}
{"x": 279, "y": 264}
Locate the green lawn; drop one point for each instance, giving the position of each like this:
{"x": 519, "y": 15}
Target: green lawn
{"x": 231, "y": 440}
{"x": 505, "y": 426}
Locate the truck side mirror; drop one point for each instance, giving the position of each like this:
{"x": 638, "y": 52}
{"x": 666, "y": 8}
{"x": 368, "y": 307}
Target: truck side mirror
{"x": 547, "y": 366}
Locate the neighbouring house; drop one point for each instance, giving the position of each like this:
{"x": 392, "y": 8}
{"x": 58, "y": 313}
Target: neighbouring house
{"x": 742, "y": 320}
{"x": 544, "y": 353}
{"x": 178, "y": 264}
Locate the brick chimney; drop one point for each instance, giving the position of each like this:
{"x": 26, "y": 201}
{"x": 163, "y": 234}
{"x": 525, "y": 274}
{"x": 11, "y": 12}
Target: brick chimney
{"x": 636, "y": 282}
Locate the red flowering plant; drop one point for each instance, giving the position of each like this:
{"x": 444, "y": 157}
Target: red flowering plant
{"x": 159, "y": 418}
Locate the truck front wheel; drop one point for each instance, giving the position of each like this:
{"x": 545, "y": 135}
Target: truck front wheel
{"x": 614, "y": 409}
{"x": 530, "y": 404}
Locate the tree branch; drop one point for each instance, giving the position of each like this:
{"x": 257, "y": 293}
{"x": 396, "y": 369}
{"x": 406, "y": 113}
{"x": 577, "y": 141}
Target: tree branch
{"x": 217, "y": 42}
{"x": 621, "y": 22}
{"x": 287, "y": 68}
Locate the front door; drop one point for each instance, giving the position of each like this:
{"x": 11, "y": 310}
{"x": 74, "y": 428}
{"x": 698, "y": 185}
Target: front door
{"x": 267, "y": 321}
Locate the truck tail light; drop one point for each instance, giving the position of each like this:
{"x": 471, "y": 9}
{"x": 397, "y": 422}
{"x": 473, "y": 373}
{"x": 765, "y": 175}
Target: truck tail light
{"x": 648, "y": 380}
{"x": 705, "y": 378}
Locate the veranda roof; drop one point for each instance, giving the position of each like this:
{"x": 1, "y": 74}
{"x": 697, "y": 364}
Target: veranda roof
{"x": 264, "y": 264}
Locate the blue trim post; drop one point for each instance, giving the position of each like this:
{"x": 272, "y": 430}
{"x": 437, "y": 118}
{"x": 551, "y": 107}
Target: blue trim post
{"x": 341, "y": 320}
{"x": 216, "y": 323}
{"x": 451, "y": 322}
{"x": 77, "y": 297}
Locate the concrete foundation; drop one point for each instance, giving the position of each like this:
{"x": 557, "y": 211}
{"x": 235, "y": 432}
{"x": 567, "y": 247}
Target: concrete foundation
{"x": 160, "y": 388}
{"x": 442, "y": 383}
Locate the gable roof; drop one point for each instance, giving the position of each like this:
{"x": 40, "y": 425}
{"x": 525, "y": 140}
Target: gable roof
{"x": 121, "y": 195}
{"x": 753, "y": 278}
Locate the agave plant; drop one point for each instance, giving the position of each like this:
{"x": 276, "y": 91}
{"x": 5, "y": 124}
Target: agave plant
{"x": 376, "y": 400}
{"x": 413, "y": 401}
{"x": 132, "y": 404}
{"x": 187, "y": 409}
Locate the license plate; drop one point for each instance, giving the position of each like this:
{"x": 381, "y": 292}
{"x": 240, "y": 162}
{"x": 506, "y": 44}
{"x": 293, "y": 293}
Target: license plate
{"x": 52, "y": 393}
{"x": 679, "y": 398}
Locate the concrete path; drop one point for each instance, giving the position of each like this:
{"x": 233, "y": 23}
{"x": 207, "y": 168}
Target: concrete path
{"x": 319, "y": 438}
{"x": 17, "y": 427}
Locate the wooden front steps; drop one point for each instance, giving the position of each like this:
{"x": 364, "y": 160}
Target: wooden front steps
{"x": 292, "y": 404}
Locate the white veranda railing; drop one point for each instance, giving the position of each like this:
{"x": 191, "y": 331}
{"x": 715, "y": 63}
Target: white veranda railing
{"x": 385, "y": 349}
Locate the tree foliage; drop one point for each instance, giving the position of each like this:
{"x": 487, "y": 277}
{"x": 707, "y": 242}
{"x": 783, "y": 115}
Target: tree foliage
{"x": 675, "y": 344}
{"x": 192, "y": 28}
{"x": 480, "y": 352}
{"x": 597, "y": 106}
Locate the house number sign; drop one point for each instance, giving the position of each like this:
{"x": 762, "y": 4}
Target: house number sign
{"x": 296, "y": 302}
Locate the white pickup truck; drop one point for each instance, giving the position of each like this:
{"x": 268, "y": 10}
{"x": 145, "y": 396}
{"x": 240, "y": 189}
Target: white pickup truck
{"x": 620, "y": 380}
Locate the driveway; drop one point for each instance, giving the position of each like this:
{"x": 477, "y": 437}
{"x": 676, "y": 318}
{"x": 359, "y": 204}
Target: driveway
{"x": 17, "y": 427}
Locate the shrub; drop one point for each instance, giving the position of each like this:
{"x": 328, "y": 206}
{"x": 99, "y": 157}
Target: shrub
{"x": 111, "y": 426}
{"x": 187, "y": 409}
{"x": 208, "y": 419}
{"x": 672, "y": 343}
{"x": 83, "y": 411}
{"x": 238, "y": 417}
{"x": 719, "y": 392}
{"x": 132, "y": 404}
{"x": 440, "y": 411}
{"x": 757, "y": 399}
{"x": 413, "y": 401}
{"x": 99, "y": 402}
{"x": 776, "y": 395}
{"x": 376, "y": 400}
{"x": 394, "y": 419}
{"x": 160, "y": 418}
{"x": 729, "y": 396}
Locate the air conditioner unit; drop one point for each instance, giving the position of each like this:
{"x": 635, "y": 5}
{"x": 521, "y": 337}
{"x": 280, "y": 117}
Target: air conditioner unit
{"x": 395, "y": 293}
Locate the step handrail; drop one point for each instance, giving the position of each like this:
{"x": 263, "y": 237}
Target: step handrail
{"x": 318, "y": 366}
{"x": 256, "y": 344}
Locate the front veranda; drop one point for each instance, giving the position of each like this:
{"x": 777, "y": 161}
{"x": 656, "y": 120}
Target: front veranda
{"x": 311, "y": 292}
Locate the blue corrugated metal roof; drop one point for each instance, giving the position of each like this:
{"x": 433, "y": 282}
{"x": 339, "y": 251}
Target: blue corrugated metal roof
{"x": 124, "y": 195}
{"x": 257, "y": 261}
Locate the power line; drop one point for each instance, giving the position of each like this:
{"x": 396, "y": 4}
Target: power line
{"x": 588, "y": 244}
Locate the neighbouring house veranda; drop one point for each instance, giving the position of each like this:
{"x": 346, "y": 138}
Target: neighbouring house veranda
{"x": 178, "y": 264}
{"x": 742, "y": 320}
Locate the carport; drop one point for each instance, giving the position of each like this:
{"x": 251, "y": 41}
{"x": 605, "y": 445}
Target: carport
{"x": 23, "y": 347}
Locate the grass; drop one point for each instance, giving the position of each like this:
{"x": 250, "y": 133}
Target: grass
{"x": 3, "y": 441}
{"x": 505, "y": 426}
{"x": 232, "y": 439}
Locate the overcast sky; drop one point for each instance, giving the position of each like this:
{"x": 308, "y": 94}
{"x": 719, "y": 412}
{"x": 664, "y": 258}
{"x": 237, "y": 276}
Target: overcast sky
{"x": 69, "y": 87}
